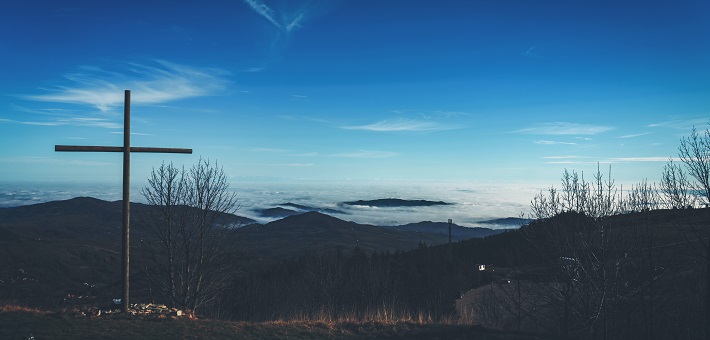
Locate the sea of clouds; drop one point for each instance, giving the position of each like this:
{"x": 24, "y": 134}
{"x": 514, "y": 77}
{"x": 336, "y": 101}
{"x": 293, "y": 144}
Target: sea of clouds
{"x": 471, "y": 203}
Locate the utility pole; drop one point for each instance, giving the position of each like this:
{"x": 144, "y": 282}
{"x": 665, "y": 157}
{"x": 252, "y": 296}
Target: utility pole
{"x": 450, "y": 240}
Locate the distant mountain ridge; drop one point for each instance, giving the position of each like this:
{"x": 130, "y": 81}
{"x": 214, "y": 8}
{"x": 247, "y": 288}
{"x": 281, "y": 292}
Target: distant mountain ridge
{"x": 276, "y": 212}
{"x": 307, "y": 208}
{"x": 395, "y": 202}
{"x": 48, "y": 250}
{"x": 512, "y": 222}
{"x": 314, "y": 231}
{"x": 457, "y": 232}
{"x": 86, "y": 219}
{"x": 78, "y": 218}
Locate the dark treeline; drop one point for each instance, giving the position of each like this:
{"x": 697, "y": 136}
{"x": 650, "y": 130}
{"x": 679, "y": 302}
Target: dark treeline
{"x": 418, "y": 284}
{"x": 621, "y": 276}
{"x": 624, "y": 276}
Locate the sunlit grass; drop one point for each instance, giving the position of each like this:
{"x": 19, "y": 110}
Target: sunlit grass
{"x": 384, "y": 315}
{"x": 18, "y": 322}
{"x": 15, "y": 308}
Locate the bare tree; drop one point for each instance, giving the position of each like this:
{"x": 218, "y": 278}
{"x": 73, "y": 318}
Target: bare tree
{"x": 675, "y": 187}
{"x": 643, "y": 196}
{"x": 188, "y": 244}
{"x": 694, "y": 151}
{"x": 582, "y": 250}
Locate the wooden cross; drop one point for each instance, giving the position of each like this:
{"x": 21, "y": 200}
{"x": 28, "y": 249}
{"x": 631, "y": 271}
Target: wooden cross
{"x": 126, "y": 149}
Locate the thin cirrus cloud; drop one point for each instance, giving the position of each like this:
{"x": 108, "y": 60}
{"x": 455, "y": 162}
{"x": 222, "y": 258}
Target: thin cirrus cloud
{"x": 577, "y": 160}
{"x": 73, "y": 121}
{"x": 157, "y": 83}
{"x": 532, "y": 53}
{"x": 285, "y": 21}
{"x": 562, "y": 157}
{"x": 395, "y": 125}
{"x": 633, "y": 135}
{"x": 152, "y": 84}
{"x": 639, "y": 159}
{"x": 268, "y": 150}
{"x": 564, "y": 128}
{"x": 568, "y": 159}
{"x": 367, "y": 154}
{"x": 552, "y": 142}
{"x": 681, "y": 124}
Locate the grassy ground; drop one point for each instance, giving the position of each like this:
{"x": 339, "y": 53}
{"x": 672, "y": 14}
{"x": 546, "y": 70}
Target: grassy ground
{"x": 23, "y": 323}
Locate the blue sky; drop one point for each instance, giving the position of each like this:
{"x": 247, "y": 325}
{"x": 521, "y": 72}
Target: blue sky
{"x": 485, "y": 92}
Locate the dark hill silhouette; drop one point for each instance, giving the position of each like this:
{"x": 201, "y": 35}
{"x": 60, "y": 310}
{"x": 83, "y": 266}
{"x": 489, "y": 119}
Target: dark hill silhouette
{"x": 395, "y": 202}
{"x": 48, "y": 250}
{"x": 307, "y": 208}
{"x": 277, "y": 212}
{"x": 77, "y": 218}
{"x": 312, "y": 231}
{"x": 457, "y": 232}
{"x": 51, "y": 249}
{"x": 512, "y": 222}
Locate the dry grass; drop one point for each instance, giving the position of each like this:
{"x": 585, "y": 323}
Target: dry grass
{"x": 383, "y": 315}
{"x": 18, "y": 322}
{"x": 15, "y": 308}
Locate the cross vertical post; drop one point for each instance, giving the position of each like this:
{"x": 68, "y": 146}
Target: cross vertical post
{"x": 126, "y": 247}
{"x": 126, "y": 150}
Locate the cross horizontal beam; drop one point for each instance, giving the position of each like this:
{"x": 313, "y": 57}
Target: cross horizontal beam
{"x": 89, "y": 148}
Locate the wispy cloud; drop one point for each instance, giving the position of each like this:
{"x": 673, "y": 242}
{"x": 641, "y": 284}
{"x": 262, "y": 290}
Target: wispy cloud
{"x": 562, "y": 157}
{"x": 634, "y": 135}
{"x": 51, "y": 161}
{"x": 564, "y": 128}
{"x": 571, "y": 159}
{"x": 74, "y": 121}
{"x": 307, "y": 119}
{"x": 265, "y": 11}
{"x": 682, "y": 124}
{"x": 151, "y": 84}
{"x": 639, "y": 159}
{"x": 307, "y": 154}
{"x": 551, "y": 142}
{"x": 298, "y": 97}
{"x": 252, "y": 70}
{"x": 44, "y": 111}
{"x": 271, "y": 150}
{"x": 403, "y": 124}
{"x": 567, "y": 161}
{"x": 102, "y": 90}
{"x": 613, "y": 160}
{"x": 367, "y": 154}
{"x": 452, "y": 113}
{"x": 532, "y": 53}
{"x": 282, "y": 19}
